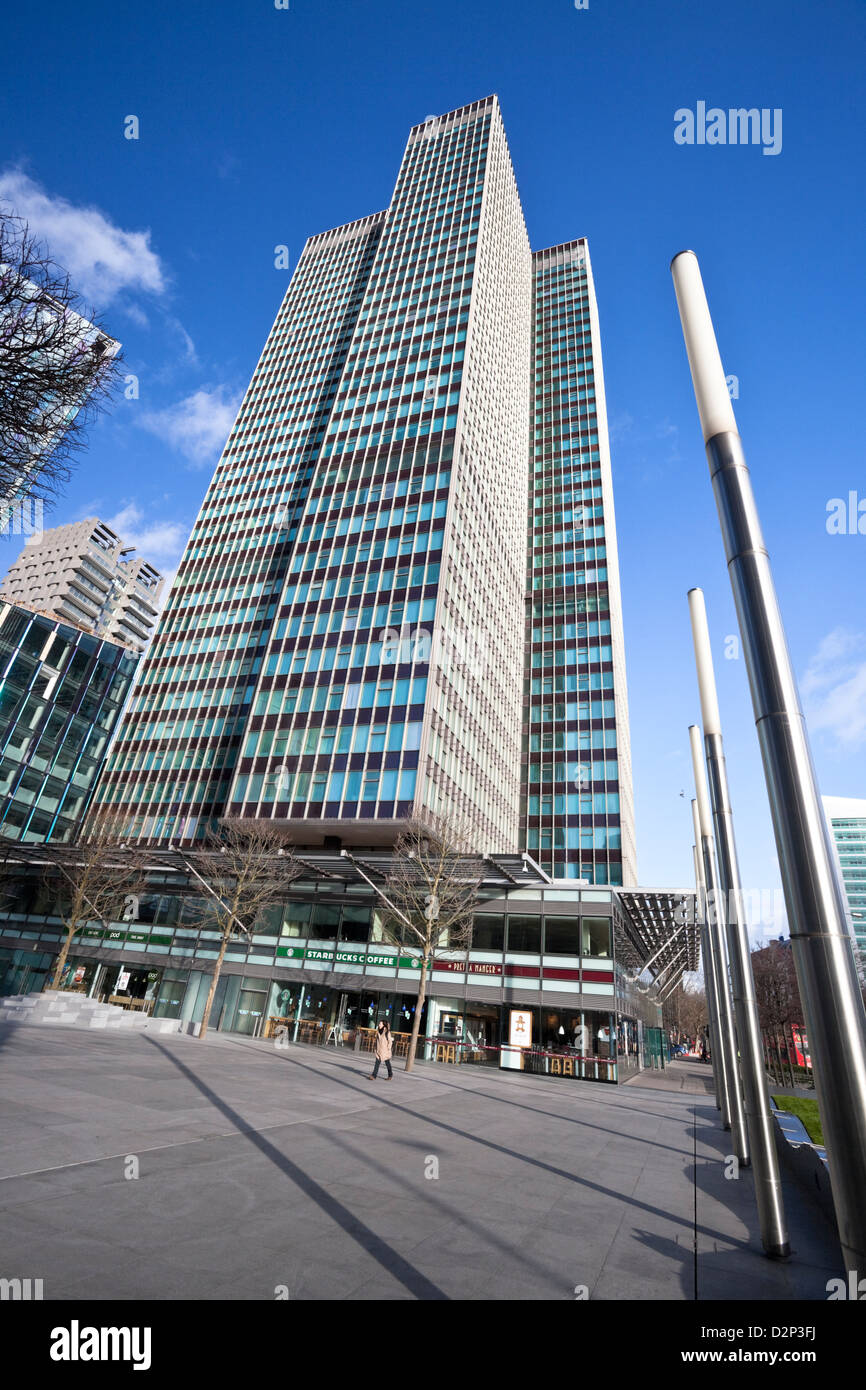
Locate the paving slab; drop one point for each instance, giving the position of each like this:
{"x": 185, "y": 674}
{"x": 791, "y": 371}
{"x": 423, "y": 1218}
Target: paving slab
{"x": 260, "y": 1166}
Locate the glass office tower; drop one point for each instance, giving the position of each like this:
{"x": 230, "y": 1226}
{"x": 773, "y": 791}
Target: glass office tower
{"x": 61, "y": 693}
{"x": 345, "y": 643}
{"x": 578, "y": 818}
{"x": 847, "y": 817}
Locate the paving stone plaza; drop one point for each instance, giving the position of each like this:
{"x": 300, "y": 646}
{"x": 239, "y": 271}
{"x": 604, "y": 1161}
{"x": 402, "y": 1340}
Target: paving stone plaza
{"x": 144, "y": 1166}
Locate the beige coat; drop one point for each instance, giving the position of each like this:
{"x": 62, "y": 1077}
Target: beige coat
{"x": 383, "y": 1046}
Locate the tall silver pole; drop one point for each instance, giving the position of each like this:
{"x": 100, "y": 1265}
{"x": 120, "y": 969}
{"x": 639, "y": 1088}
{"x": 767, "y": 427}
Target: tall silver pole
{"x": 759, "y": 1120}
{"x": 711, "y": 978}
{"x": 823, "y": 955}
{"x": 705, "y": 949}
{"x": 715, "y": 906}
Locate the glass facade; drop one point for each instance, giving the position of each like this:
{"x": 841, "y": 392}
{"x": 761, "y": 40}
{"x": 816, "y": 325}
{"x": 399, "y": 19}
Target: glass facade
{"x": 577, "y": 798}
{"x": 847, "y": 817}
{"x": 61, "y": 693}
{"x": 317, "y": 967}
{"x": 350, "y": 639}
{"x": 343, "y": 642}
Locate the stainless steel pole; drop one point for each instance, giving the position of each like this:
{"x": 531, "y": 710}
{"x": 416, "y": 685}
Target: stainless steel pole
{"x": 711, "y": 979}
{"x": 705, "y": 950}
{"x": 759, "y": 1120}
{"x": 823, "y": 954}
{"x": 715, "y": 907}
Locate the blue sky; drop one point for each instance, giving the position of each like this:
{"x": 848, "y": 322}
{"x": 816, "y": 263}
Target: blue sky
{"x": 259, "y": 127}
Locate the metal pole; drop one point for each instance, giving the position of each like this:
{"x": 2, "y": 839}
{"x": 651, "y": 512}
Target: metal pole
{"x": 711, "y": 978}
{"x": 759, "y": 1120}
{"x": 705, "y": 950}
{"x": 823, "y": 955}
{"x": 714, "y": 927}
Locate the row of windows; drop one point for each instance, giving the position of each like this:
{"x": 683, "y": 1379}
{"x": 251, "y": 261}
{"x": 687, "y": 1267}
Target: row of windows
{"x": 578, "y": 774}
{"x": 348, "y": 738}
{"x": 343, "y": 786}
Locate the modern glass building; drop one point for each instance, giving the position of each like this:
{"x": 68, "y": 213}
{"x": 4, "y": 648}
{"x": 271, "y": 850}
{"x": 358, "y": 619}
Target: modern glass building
{"x": 578, "y": 818}
{"x": 847, "y": 817}
{"x": 61, "y": 693}
{"x": 349, "y": 639}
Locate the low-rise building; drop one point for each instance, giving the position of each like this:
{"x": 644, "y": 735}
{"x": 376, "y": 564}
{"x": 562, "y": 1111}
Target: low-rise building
{"x": 61, "y": 693}
{"x": 553, "y": 983}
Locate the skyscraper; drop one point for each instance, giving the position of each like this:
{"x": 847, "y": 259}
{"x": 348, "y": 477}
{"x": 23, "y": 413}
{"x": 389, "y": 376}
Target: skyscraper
{"x": 345, "y": 642}
{"x": 578, "y": 819}
{"x": 847, "y": 817}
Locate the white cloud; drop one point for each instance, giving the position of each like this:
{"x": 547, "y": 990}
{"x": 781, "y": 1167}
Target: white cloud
{"x": 197, "y": 426}
{"x": 137, "y": 315}
{"x": 159, "y": 542}
{"x": 102, "y": 259}
{"x": 834, "y": 688}
{"x": 189, "y": 351}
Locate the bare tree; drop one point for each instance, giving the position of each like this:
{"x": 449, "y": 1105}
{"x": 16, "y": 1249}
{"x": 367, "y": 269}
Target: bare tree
{"x": 99, "y": 875}
{"x": 430, "y": 896}
{"x": 685, "y": 1012}
{"x": 57, "y": 368}
{"x": 778, "y": 997}
{"x": 244, "y": 868}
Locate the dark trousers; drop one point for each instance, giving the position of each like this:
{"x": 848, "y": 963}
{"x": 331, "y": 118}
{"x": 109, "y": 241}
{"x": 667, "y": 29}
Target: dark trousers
{"x": 387, "y": 1064}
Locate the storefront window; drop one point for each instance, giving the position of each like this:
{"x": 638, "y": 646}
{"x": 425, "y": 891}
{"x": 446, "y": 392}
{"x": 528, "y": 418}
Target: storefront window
{"x": 171, "y": 993}
{"x": 596, "y": 936}
{"x": 481, "y": 1034}
{"x": 355, "y": 925}
{"x": 192, "y": 910}
{"x": 524, "y": 934}
{"x": 296, "y": 919}
{"x": 270, "y": 920}
{"x": 325, "y": 921}
{"x": 562, "y": 936}
{"x": 562, "y": 1030}
{"x": 488, "y": 933}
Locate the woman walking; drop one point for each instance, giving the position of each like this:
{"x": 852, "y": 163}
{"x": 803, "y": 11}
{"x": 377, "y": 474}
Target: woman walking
{"x": 384, "y": 1049}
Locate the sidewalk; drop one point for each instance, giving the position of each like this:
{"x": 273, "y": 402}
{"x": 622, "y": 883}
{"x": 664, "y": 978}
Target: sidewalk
{"x": 142, "y": 1167}
{"x": 695, "y": 1078}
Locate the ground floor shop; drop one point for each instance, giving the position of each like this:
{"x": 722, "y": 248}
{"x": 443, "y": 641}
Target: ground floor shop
{"x": 553, "y": 980}
{"x": 540, "y": 1039}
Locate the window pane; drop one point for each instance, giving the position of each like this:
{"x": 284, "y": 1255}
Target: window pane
{"x": 488, "y": 933}
{"x": 562, "y": 936}
{"x": 596, "y": 936}
{"x": 524, "y": 934}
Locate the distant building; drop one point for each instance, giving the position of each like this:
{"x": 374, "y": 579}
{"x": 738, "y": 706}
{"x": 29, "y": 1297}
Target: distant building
{"x": 847, "y": 817}
{"x": 84, "y": 573}
{"x": 61, "y": 693}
